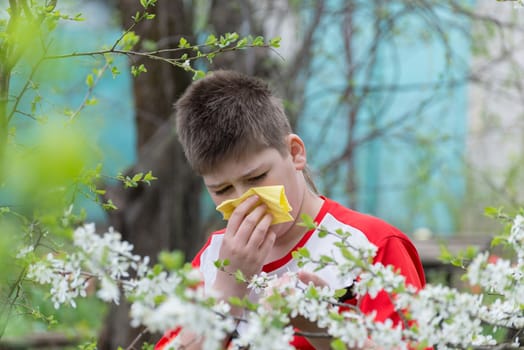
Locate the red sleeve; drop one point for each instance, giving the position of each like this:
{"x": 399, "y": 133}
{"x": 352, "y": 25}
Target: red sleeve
{"x": 399, "y": 252}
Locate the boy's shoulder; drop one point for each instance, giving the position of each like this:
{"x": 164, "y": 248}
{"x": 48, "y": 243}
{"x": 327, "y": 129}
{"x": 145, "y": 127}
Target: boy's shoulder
{"x": 374, "y": 228}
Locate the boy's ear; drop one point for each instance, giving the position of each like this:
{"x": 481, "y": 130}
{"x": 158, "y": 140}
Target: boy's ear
{"x": 297, "y": 150}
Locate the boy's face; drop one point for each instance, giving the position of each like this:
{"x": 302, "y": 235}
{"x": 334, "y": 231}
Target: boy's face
{"x": 262, "y": 168}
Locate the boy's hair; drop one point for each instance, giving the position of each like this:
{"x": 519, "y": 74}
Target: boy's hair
{"x": 228, "y": 114}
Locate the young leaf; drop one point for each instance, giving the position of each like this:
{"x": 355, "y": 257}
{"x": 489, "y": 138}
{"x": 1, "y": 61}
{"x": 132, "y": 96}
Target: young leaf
{"x": 137, "y": 177}
{"x": 109, "y": 205}
{"x": 90, "y": 81}
{"x": 307, "y": 221}
{"x": 240, "y": 277}
{"x": 149, "y": 177}
{"x": 275, "y": 42}
{"x": 338, "y": 344}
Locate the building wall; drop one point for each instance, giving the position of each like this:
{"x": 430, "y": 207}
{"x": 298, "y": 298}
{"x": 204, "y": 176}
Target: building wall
{"x": 411, "y": 174}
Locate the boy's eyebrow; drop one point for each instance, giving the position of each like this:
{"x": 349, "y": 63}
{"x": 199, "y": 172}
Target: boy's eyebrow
{"x": 250, "y": 173}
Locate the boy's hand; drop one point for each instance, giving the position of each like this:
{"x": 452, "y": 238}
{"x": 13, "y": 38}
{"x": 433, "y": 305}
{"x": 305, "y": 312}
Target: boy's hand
{"x": 246, "y": 244}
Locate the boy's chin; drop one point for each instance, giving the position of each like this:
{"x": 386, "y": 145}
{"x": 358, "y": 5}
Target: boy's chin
{"x": 282, "y": 228}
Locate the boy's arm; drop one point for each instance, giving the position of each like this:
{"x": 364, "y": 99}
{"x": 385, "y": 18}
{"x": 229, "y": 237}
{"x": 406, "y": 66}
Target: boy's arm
{"x": 246, "y": 243}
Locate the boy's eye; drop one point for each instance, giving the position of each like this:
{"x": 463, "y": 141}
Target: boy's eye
{"x": 257, "y": 178}
{"x": 222, "y": 190}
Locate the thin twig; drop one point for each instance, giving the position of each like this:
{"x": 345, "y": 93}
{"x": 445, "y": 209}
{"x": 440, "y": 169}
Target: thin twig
{"x": 137, "y": 338}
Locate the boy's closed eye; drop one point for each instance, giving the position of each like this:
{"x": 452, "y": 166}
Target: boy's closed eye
{"x": 223, "y": 190}
{"x": 257, "y": 178}
{"x": 251, "y": 180}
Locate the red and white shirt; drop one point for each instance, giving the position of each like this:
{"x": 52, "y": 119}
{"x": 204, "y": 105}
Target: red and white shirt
{"x": 394, "y": 248}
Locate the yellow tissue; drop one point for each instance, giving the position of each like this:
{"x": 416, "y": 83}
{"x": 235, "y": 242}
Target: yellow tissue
{"x": 274, "y": 197}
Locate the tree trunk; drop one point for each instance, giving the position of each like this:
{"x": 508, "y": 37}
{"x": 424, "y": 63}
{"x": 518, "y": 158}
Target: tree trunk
{"x": 165, "y": 215}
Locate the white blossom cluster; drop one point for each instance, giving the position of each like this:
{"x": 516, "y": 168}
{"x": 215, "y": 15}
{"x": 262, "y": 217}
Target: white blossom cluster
{"x": 445, "y": 316}
{"x": 64, "y": 275}
{"x": 379, "y": 278}
{"x": 208, "y": 323}
{"x": 146, "y": 292}
{"x": 263, "y": 330}
{"x": 158, "y": 302}
{"x": 504, "y": 280}
{"x": 162, "y": 300}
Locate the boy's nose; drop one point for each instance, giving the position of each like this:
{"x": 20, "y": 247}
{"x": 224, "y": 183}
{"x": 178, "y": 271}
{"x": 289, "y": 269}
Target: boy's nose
{"x": 239, "y": 191}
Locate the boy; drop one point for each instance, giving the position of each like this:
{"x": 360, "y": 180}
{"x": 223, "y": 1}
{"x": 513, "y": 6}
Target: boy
{"x": 236, "y": 135}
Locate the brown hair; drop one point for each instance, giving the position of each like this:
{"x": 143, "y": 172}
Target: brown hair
{"x": 228, "y": 114}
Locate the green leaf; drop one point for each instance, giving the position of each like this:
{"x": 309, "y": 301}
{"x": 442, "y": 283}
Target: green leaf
{"x": 199, "y": 75}
{"x": 129, "y": 40}
{"x": 115, "y": 71}
{"x": 149, "y": 177}
{"x": 326, "y": 259}
{"x": 4, "y": 210}
{"x": 258, "y": 41}
{"x": 90, "y": 81}
{"x": 236, "y": 301}
{"x": 470, "y": 252}
{"x": 109, "y": 205}
{"x": 312, "y": 293}
{"x": 275, "y": 42}
{"x": 242, "y": 43}
{"x": 172, "y": 260}
{"x": 219, "y": 264}
{"x": 307, "y": 221}
{"x": 304, "y": 252}
{"x": 211, "y": 40}
{"x": 183, "y": 43}
{"x": 137, "y": 177}
{"x": 136, "y": 71}
{"x": 498, "y": 240}
{"x": 92, "y": 101}
{"x": 158, "y": 299}
{"x": 337, "y": 344}
{"x": 340, "y": 293}
{"x": 240, "y": 277}
{"x": 157, "y": 269}
{"x": 144, "y": 3}
{"x": 492, "y": 212}
{"x": 445, "y": 254}
{"x": 346, "y": 253}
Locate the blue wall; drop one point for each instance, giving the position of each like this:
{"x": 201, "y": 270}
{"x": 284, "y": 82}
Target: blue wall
{"x": 412, "y": 174}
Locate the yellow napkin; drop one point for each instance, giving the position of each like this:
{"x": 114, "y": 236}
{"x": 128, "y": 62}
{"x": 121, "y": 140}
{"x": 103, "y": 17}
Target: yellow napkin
{"x": 272, "y": 196}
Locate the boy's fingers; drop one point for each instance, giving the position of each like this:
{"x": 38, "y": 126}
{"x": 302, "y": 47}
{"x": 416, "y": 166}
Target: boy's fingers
{"x": 267, "y": 243}
{"x": 307, "y": 277}
{"x": 260, "y": 232}
{"x": 239, "y": 214}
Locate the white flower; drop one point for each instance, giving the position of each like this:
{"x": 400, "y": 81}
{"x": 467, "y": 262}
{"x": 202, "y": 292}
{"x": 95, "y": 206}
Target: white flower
{"x": 516, "y": 237}
{"x": 259, "y": 334}
{"x": 108, "y": 291}
{"x": 24, "y": 251}
{"x": 40, "y": 272}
